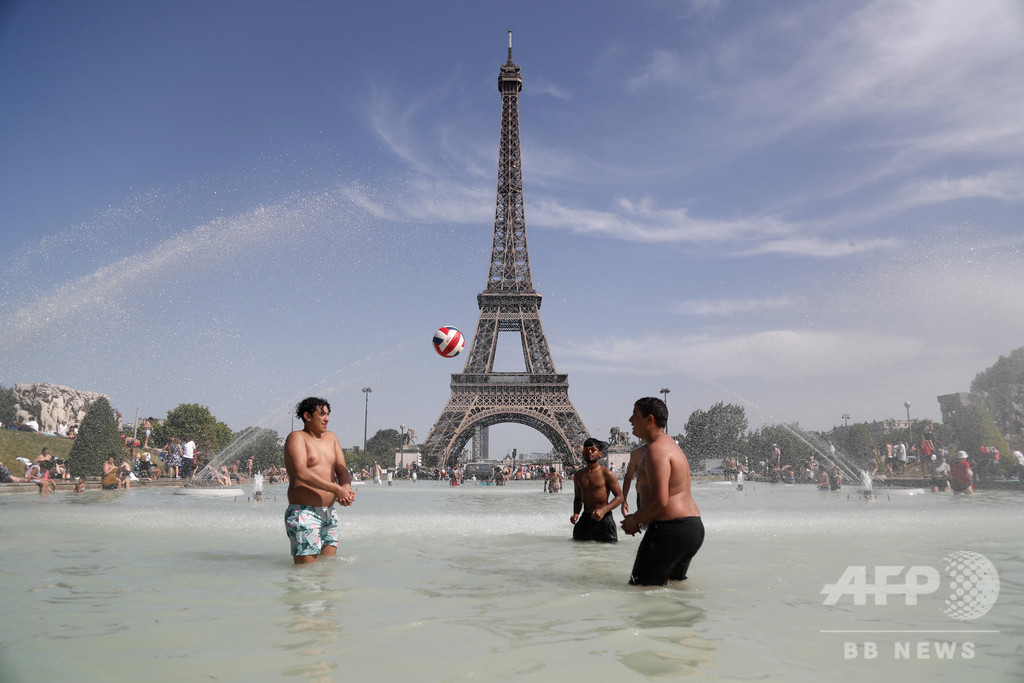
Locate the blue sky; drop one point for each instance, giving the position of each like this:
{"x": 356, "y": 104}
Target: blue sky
{"x": 808, "y": 209}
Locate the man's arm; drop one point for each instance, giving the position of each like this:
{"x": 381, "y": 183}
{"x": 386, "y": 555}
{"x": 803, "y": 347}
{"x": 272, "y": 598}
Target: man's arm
{"x": 612, "y": 485}
{"x": 343, "y": 476}
{"x": 627, "y": 480}
{"x": 577, "y": 501}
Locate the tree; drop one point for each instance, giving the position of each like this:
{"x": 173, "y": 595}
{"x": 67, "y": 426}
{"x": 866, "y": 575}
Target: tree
{"x": 715, "y": 433}
{"x": 1002, "y": 386}
{"x": 382, "y": 446}
{"x": 97, "y": 440}
{"x": 8, "y": 405}
{"x": 1004, "y": 371}
{"x": 857, "y": 445}
{"x": 257, "y": 443}
{"x": 975, "y": 428}
{"x": 794, "y": 442}
{"x": 196, "y": 422}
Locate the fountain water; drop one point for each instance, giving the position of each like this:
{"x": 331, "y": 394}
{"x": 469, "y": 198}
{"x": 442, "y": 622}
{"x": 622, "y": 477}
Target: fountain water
{"x": 866, "y": 491}
{"x": 484, "y": 583}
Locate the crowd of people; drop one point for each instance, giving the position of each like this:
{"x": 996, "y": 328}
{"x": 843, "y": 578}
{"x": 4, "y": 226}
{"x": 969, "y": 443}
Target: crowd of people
{"x": 928, "y": 460}
{"x": 32, "y": 425}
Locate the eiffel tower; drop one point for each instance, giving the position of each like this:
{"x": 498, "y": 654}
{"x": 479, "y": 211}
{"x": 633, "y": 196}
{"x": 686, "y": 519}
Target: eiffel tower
{"x": 481, "y": 397}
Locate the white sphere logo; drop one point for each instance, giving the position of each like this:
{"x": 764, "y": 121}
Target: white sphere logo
{"x": 973, "y": 585}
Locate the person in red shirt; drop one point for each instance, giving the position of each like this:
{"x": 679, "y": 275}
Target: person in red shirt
{"x": 961, "y": 477}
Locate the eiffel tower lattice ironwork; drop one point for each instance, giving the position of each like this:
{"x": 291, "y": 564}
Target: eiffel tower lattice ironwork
{"x": 481, "y": 397}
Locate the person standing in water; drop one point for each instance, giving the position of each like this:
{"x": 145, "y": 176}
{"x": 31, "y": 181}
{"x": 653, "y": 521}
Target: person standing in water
{"x": 675, "y": 531}
{"x": 593, "y": 484}
{"x": 317, "y": 478}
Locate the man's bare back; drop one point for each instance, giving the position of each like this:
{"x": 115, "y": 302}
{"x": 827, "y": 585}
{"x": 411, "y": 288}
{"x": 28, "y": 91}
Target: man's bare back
{"x": 670, "y": 493}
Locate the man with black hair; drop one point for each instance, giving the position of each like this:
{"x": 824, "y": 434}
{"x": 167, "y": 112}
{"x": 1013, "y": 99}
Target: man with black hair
{"x": 317, "y": 478}
{"x": 675, "y": 531}
{"x": 593, "y": 484}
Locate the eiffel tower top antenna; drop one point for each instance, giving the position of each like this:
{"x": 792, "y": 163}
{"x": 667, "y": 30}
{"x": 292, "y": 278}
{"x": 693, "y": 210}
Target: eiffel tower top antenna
{"x": 510, "y": 46}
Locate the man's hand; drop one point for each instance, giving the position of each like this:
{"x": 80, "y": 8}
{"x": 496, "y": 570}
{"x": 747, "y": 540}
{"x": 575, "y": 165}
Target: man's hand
{"x": 630, "y": 525}
{"x": 347, "y": 495}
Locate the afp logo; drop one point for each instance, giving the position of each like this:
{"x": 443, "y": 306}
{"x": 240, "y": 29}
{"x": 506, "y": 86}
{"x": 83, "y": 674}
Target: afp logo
{"x": 971, "y": 580}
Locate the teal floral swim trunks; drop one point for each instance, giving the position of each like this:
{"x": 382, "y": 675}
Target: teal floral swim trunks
{"x": 311, "y": 528}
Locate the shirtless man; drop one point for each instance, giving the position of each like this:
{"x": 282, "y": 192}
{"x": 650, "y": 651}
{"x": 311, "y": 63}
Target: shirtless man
{"x": 674, "y": 528}
{"x": 317, "y": 478}
{"x": 593, "y": 483}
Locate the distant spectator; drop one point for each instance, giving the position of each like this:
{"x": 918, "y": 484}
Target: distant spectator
{"x": 188, "y": 458}
{"x": 30, "y": 425}
{"x": 940, "y": 475}
{"x": 109, "y": 480}
{"x": 149, "y": 430}
{"x": 174, "y": 457}
{"x": 901, "y": 458}
{"x": 124, "y": 475}
{"x": 7, "y": 478}
{"x": 961, "y": 476}
{"x": 41, "y": 477}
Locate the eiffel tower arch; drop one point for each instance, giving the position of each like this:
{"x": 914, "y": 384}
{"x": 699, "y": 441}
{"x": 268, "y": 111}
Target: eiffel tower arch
{"x": 481, "y": 397}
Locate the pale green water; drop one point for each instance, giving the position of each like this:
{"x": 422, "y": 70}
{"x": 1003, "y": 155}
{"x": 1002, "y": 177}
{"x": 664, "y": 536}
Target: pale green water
{"x": 483, "y": 583}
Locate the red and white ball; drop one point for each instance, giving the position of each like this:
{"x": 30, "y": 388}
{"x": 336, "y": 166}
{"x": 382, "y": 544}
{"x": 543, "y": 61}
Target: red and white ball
{"x": 448, "y": 341}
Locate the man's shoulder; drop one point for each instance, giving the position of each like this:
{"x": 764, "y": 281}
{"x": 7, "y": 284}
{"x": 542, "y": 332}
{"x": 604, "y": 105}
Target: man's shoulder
{"x": 664, "y": 444}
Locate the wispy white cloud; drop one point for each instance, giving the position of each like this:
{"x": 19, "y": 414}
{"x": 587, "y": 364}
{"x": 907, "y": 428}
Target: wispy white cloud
{"x": 774, "y": 353}
{"x": 643, "y": 221}
{"x": 1003, "y": 185}
{"x": 729, "y": 307}
{"x": 945, "y": 66}
{"x": 551, "y": 89}
{"x": 664, "y": 67}
{"x": 821, "y": 248}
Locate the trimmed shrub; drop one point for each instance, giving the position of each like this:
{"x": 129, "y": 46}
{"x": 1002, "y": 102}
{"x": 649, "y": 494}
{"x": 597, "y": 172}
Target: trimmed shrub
{"x": 97, "y": 440}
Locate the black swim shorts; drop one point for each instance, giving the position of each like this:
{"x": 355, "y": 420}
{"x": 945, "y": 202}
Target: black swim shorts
{"x": 589, "y": 529}
{"x": 666, "y": 550}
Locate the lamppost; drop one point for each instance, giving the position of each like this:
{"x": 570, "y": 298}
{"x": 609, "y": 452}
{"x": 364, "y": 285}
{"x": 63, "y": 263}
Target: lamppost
{"x": 910, "y": 430}
{"x": 401, "y": 445}
{"x": 366, "y": 413}
{"x": 664, "y": 399}
{"x": 846, "y": 419}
